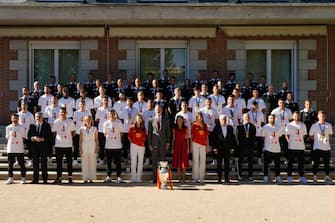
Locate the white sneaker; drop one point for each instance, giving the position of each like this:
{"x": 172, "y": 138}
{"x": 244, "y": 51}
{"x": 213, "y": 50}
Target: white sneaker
{"x": 29, "y": 163}
{"x": 328, "y": 180}
{"x": 279, "y": 180}
{"x": 315, "y": 179}
{"x": 266, "y": 179}
{"x": 303, "y": 180}
{"x": 10, "y": 181}
{"x": 289, "y": 180}
{"x": 259, "y": 162}
{"x": 119, "y": 180}
{"x": 107, "y": 180}
{"x": 147, "y": 161}
{"x": 214, "y": 162}
{"x": 23, "y": 180}
{"x": 74, "y": 163}
{"x": 101, "y": 162}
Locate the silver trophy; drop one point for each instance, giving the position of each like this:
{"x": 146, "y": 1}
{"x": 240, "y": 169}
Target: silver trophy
{"x": 164, "y": 178}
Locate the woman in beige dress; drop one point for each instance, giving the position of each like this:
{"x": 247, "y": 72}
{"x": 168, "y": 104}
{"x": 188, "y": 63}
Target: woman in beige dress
{"x": 89, "y": 147}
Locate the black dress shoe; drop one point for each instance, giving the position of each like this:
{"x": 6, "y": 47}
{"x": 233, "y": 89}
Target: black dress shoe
{"x": 45, "y": 182}
{"x": 70, "y": 181}
{"x": 227, "y": 181}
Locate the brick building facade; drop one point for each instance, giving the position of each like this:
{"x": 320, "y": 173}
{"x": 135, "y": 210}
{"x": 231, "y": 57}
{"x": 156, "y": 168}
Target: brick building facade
{"x": 115, "y": 39}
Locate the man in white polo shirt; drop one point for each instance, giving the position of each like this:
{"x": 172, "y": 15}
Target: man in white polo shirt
{"x": 295, "y": 133}
{"x": 63, "y": 130}
{"x": 320, "y": 133}
{"x": 271, "y": 133}
{"x": 113, "y": 130}
{"x": 15, "y": 135}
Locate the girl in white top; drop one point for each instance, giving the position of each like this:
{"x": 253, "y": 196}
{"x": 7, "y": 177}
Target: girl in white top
{"x": 113, "y": 130}
{"x": 271, "y": 133}
{"x": 89, "y": 147}
{"x": 320, "y": 133}
{"x": 295, "y": 132}
{"x": 15, "y": 135}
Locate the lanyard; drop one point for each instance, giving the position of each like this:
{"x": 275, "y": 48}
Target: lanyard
{"x": 140, "y": 106}
{"x": 322, "y": 129}
{"x": 254, "y": 117}
{"x": 282, "y": 115}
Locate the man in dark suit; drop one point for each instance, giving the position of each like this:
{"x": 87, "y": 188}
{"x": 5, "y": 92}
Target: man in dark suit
{"x": 40, "y": 138}
{"x": 246, "y": 135}
{"x": 159, "y": 137}
{"x": 224, "y": 144}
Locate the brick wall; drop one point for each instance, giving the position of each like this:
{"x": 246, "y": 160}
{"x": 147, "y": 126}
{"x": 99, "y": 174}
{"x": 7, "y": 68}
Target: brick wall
{"x": 5, "y": 76}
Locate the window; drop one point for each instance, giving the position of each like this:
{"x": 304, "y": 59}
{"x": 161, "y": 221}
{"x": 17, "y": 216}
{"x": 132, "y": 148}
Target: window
{"x": 57, "y": 58}
{"x": 274, "y": 59}
{"x": 156, "y": 56}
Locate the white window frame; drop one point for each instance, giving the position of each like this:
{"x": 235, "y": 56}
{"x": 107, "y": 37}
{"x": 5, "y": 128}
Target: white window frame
{"x": 162, "y": 45}
{"x": 277, "y": 45}
{"x": 50, "y": 45}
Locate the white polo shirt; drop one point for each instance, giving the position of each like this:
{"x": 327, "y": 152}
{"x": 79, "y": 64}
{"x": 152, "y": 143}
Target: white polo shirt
{"x": 63, "y": 131}
{"x": 321, "y": 141}
{"x": 271, "y": 136}
{"x": 196, "y": 103}
{"x": 69, "y": 103}
{"x": 257, "y": 118}
{"x": 78, "y": 118}
{"x": 112, "y": 131}
{"x": 26, "y": 119}
{"x": 296, "y": 132}
{"x": 283, "y": 117}
{"x": 102, "y": 115}
{"x": 15, "y": 135}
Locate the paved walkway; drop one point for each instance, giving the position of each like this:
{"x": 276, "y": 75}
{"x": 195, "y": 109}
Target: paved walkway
{"x": 187, "y": 203}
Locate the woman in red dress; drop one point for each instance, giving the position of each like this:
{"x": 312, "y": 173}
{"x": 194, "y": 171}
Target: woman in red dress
{"x": 180, "y": 148}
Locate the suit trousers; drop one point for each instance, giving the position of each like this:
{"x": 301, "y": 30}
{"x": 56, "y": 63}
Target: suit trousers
{"x": 226, "y": 157}
{"x": 245, "y": 152}
{"x": 136, "y": 157}
{"x": 40, "y": 154}
{"x": 198, "y": 161}
{"x": 11, "y": 161}
{"x": 60, "y": 153}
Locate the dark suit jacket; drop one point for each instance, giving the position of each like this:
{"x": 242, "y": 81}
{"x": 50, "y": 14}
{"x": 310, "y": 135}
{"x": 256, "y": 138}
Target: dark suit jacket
{"x": 224, "y": 144}
{"x": 159, "y": 137}
{"x": 45, "y": 132}
{"x": 244, "y": 142}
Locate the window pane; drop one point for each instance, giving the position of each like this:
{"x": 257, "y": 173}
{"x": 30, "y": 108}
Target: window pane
{"x": 149, "y": 62}
{"x": 256, "y": 63}
{"x": 43, "y": 65}
{"x": 281, "y": 68}
{"x": 175, "y": 62}
{"x": 68, "y": 63}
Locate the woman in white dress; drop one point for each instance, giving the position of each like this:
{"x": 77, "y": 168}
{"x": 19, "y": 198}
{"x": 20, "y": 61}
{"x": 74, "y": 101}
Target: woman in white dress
{"x": 89, "y": 147}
